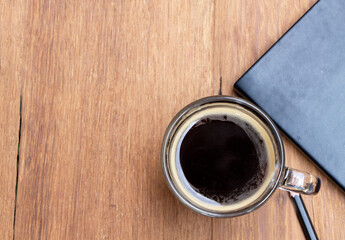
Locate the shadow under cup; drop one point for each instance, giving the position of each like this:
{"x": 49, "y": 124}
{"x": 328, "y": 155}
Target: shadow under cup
{"x": 276, "y": 173}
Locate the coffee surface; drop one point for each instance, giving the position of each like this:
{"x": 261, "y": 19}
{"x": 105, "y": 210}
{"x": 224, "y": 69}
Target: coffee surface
{"x": 222, "y": 160}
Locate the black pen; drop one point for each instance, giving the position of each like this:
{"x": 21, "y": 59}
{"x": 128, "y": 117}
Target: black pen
{"x": 303, "y": 216}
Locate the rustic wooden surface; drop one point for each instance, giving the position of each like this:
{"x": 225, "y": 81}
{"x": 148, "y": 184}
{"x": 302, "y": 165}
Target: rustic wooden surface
{"x": 10, "y": 53}
{"x": 99, "y": 83}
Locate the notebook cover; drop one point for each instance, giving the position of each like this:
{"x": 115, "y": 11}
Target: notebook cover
{"x": 300, "y": 83}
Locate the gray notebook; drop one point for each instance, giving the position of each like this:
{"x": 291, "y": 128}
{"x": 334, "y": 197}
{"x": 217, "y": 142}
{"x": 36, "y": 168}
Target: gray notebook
{"x": 300, "y": 83}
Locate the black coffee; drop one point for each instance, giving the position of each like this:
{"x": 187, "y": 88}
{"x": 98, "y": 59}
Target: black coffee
{"x": 222, "y": 160}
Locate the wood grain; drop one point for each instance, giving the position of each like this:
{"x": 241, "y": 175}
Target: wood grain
{"x": 100, "y": 82}
{"x": 10, "y": 52}
{"x": 103, "y": 83}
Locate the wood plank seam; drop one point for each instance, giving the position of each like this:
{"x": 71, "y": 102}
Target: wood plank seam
{"x": 17, "y": 173}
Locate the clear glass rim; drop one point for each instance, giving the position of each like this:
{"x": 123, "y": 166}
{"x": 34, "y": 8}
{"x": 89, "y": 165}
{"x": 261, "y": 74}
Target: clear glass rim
{"x": 227, "y": 99}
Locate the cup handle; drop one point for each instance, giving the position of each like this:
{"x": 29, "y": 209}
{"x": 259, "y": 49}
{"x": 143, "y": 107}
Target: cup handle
{"x": 300, "y": 182}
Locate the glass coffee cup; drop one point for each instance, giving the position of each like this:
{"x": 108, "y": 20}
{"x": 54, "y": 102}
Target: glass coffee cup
{"x": 224, "y": 157}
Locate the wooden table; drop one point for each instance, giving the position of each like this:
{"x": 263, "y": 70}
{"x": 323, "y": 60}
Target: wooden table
{"x": 87, "y": 89}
